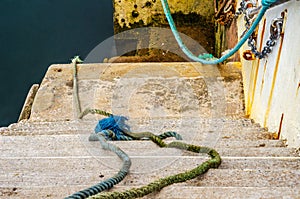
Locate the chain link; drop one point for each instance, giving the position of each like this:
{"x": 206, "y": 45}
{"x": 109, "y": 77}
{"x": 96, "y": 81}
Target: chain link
{"x": 249, "y": 8}
{"x": 275, "y": 31}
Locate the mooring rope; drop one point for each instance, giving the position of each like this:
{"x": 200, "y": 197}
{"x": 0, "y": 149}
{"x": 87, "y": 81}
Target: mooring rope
{"x": 157, "y": 185}
{"x": 265, "y": 6}
{"x": 121, "y": 132}
{"x": 114, "y": 128}
{"x": 109, "y": 183}
{"x": 111, "y": 128}
{"x": 75, "y": 61}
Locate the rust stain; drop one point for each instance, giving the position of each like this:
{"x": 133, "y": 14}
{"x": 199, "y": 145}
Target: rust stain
{"x": 250, "y": 89}
{"x": 248, "y": 55}
{"x": 262, "y": 33}
{"x": 253, "y": 89}
{"x": 260, "y": 47}
{"x": 273, "y": 82}
{"x": 283, "y": 14}
{"x": 255, "y": 66}
{"x": 298, "y": 89}
{"x": 263, "y": 77}
{"x": 280, "y": 126}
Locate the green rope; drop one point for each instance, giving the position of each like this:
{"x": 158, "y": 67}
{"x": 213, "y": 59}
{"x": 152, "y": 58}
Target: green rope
{"x": 157, "y": 185}
{"x": 75, "y": 61}
{"x": 94, "y": 111}
{"x": 110, "y": 182}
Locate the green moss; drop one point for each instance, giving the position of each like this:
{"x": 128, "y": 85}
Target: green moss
{"x": 198, "y": 27}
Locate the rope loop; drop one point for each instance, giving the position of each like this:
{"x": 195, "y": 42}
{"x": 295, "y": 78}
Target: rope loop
{"x": 266, "y": 4}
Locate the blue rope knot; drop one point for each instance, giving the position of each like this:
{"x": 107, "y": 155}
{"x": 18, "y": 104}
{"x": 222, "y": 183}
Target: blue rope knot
{"x": 113, "y": 127}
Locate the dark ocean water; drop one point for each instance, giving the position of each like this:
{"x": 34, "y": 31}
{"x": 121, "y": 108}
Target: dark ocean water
{"x": 37, "y": 33}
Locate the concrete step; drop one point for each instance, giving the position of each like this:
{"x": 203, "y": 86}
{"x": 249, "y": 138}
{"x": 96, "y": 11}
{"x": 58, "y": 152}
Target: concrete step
{"x": 198, "y": 129}
{"x": 141, "y": 164}
{"x": 171, "y": 192}
{"x": 78, "y": 145}
{"x": 49, "y": 155}
{"x": 26, "y": 171}
{"x": 139, "y": 89}
{"x": 56, "y": 141}
{"x": 154, "y": 122}
{"x": 188, "y": 135}
{"x": 76, "y": 173}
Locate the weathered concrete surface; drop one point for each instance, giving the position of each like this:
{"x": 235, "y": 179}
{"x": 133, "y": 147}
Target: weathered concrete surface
{"x": 192, "y": 18}
{"x": 26, "y": 110}
{"x": 139, "y": 90}
{"x": 49, "y": 156}
{"x": 174, "y": 192}
{"x": 127, "y": 13}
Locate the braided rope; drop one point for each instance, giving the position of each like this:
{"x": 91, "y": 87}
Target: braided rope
{"x": 94, "y": 111}
{"x": 123, "y": 133}
{"x": 157, "y": 185}
{"x": 76, "y": 60}
{"x": 109, "y": 183}
{"x": 265, "y": 6}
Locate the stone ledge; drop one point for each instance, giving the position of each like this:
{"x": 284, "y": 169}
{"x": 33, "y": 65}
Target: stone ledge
{"x": 139, "y": 89}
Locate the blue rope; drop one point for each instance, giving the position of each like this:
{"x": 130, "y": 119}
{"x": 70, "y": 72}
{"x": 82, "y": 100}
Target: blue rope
{"x": 113, "y": 128}
{"x": 265, "y": 6}
{"x": 110, "y": 182}
{"x": 117, "y": 125}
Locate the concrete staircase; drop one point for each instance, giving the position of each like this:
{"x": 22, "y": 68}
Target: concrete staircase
{"x": 48, "y": 155}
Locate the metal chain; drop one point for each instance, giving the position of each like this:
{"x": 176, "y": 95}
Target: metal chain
{"x": 275, "y": 31}
{"x": 249, "y": 8}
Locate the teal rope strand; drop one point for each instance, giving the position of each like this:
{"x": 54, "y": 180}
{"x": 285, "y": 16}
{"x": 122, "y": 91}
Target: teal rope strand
{"x": 110, "y": 182}
{"x": 265, "y": 6}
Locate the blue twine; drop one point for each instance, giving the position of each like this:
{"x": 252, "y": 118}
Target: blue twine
{"x": 116, "y": 124}
{"x": 265, "y": 6}
{"x": 110, "y": 182}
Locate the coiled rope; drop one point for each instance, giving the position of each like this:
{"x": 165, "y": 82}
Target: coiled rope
{"x": 265, "y": 6}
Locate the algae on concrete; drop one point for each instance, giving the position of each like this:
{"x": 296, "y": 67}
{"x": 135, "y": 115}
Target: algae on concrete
{"x": 192, "y": 17}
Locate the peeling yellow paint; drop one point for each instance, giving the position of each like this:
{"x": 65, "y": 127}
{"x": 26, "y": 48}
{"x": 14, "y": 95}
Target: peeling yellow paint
{"x": 254, "y": 75}
{"x": 252, "y": 85}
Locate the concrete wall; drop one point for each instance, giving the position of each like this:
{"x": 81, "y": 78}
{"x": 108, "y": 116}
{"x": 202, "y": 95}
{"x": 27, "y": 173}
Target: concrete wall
{"x": 150, "y": 12}
{"x": 272, "y": 84}
{"x": 194, "y": 18}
